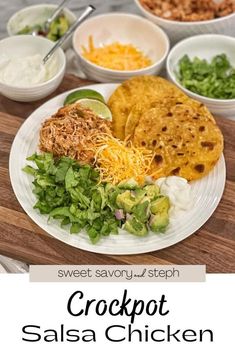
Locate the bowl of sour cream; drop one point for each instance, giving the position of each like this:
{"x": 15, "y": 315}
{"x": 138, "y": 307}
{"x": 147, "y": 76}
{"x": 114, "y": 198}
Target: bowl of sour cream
{"x": 23, "y": 76}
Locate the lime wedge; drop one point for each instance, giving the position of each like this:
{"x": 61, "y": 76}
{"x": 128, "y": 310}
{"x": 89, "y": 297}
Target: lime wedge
{"x": 83, "y": 94}
{"x": 98, "y": 107}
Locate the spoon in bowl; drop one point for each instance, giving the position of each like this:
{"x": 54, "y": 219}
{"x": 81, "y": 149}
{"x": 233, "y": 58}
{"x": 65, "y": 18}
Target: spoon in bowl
{"x": 46, "y": 25}
{"x": 88, "y": 11}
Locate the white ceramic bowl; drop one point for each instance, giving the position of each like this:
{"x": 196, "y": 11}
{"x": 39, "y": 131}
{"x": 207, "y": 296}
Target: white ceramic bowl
{"x": 36, "y": 14}
{"x": 177, "y": 30}
{"x": 27, "y": 45}
{"x": 123, "y": 28}
{"x": 204, "y": 46}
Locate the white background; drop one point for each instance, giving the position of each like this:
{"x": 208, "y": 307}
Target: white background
{"x": 195, "y": 306}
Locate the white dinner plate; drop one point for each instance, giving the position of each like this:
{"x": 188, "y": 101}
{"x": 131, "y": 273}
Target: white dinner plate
{"x": 206, "y": 194}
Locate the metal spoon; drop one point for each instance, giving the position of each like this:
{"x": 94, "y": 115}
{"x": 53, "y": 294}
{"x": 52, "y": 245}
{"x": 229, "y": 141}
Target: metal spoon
{"x": 88, "y": 11}
{"x": 47, "y": 23}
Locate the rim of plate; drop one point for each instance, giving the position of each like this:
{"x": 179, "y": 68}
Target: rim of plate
{"x": 214, "y": 186}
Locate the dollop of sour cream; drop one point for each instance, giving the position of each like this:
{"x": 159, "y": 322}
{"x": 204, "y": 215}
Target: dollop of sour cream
{"x": 25, "y": 71}
{"x": 179, "y": 192}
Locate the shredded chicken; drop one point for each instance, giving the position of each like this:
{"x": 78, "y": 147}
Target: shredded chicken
{"x": 189, "y": 10}
{"x": 72, "y": 132}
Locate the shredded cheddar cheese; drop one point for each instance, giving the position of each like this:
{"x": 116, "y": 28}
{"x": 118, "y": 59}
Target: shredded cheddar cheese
{"x": 116, "y": 56}
{"x": 118, "y": 160}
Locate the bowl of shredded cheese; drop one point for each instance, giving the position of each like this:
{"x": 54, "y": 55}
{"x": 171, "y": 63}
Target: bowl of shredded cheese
{"x": 116, "y": 46}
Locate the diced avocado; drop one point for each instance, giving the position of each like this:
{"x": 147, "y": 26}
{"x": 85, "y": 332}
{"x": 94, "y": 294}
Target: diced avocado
{"x": 160, "y": 205}
{"x": 64, "y": 25}
{"x": 134, "y": 226}
{"x": 130, "y": 184}
{"x": 58, "y": 28}
{"x": 139, "y": 195}
{"x": 159, "y": 222}
{"x": 125, "y": 201}
{"x": 152, "y": 191}
{"x": 109, "y": 187}
{"x": 141, "y": 211}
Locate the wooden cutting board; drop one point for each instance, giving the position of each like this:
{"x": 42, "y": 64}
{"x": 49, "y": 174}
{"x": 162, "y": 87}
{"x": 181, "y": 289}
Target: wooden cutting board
{"x": 22, "y": 239}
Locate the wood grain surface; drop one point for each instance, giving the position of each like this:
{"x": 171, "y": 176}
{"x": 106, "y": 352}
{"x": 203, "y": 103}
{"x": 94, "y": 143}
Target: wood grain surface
{"x": 22, "y": 239}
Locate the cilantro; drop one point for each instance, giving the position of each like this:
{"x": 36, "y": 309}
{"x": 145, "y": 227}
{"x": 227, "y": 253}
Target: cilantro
{"x": 215, "y": 79}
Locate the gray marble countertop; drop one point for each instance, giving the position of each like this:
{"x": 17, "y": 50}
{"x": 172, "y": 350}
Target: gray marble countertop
{"x": 8, "y": 8}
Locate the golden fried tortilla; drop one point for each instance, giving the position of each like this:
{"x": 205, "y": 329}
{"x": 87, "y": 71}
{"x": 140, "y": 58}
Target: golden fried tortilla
{"x": 186, "y": 140}
{"x": 143, "y": 90}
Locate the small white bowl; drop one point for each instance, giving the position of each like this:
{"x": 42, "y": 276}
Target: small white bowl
{"x": 123, "y": 28}
{"x": 204, "y": 46}
{"x": 178, "y": 30}
{"x": 27, "y": 45}
{"x": 36, "y": 14}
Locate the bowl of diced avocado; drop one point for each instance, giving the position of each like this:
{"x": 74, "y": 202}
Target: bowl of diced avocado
{"x": 32, "y": 18}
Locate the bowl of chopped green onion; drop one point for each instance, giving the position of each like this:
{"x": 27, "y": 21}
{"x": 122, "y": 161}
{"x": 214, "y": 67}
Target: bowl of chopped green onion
{"x": 203, "y": 67}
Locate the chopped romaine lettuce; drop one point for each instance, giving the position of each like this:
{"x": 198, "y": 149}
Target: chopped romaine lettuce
{"x": 72, "y": 193}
